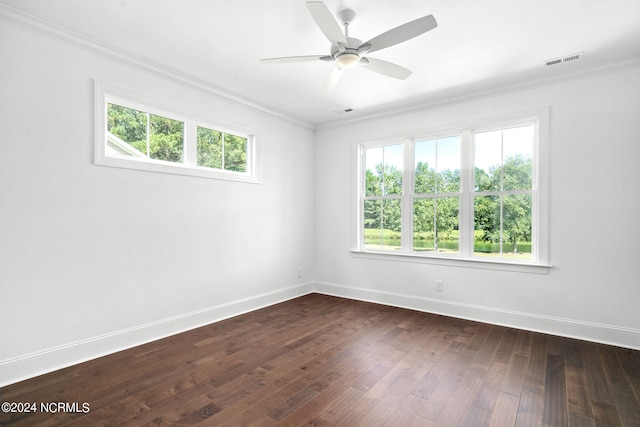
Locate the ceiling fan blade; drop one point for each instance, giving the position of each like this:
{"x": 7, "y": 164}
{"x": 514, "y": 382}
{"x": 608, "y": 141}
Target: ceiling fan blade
{"x": 385, "y": 68}
{"x": 326, "y": 22}
{"x": 402, "y": 33}
{"x": 305, "y": 58}
{"x": 364, "y": 48}
{"x": 332, "y": 79}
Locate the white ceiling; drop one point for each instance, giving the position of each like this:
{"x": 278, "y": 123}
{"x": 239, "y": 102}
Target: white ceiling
{"x": 478, "y": 45}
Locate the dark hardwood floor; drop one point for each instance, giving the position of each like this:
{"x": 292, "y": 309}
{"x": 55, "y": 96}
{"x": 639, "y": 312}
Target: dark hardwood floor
{"x": 325, "y": 361}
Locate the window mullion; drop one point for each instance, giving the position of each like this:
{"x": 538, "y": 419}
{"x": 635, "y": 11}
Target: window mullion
{"x": 190, "y": 155}
{"x": 361, "y": 192}
{"x": 148, "y": 141}
{"x": 535, "y": 196}
{"x": 408, "y": 178}
{"x": 222, "y": 136}
{"x": 465, "y": 228}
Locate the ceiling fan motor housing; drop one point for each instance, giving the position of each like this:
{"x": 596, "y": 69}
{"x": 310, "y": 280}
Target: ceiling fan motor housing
{"x": 348, "y": 56}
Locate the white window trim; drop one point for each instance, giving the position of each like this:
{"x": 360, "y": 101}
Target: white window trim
{"x": 105, "y": 93}
{"x": 540, "y": 223}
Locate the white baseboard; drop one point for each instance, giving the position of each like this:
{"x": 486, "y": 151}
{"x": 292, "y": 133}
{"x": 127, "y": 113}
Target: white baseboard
{"x": 596, "y": 332}
{"x": 51, "y": 359}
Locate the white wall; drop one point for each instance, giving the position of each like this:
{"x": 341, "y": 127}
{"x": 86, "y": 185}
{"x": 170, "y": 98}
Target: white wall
{"x": 95, "y": 259}
{"x": 593, "y": 288}
{"x": 92, "y": 258}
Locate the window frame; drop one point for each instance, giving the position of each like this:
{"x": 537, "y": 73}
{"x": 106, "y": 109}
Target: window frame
{"x": 413, "y": 196}
{"x": 539, "y": 262}
{"x": 107, "y": 94}
{"x": 384, "y": 197}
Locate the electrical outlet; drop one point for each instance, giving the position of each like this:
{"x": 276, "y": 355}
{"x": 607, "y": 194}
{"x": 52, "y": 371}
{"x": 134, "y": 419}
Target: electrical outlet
{"x": 300, "y": 275}
{"x": 439, "y": 285}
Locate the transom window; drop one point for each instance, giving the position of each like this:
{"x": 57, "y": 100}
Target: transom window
{"x": 139, "y": 136}
{"x": 470, "y": 194}
{"x": 147, "y": 136}
{"x": 220, "y": 150}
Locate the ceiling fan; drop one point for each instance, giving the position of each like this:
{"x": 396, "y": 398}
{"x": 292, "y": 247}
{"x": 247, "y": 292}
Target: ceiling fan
{"x": 348, "y": 52}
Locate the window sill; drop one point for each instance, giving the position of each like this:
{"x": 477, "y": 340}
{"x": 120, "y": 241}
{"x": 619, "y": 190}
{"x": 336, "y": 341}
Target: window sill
{"x": 519, "y": 267}
{"x": 176, "y": 169}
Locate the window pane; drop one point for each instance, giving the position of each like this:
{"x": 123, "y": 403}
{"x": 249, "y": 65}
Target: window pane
{"x": 516, "y": 227}
{"x": 447, "y": 211}
{"x": 425, "y": 167}
{"x": 512, "y": 238}
{"x": 235, "y": 153}
{"x": 138, "y": 134}
{"x": 383, "y": 170}
{"x": 373, "y": 171}
{"x": 437, "y": 165}
{"x": 486, "y": 225}
{"x": 449, "y": 165}
{"x": 518, "y": 154}
{"x": 393, "y": 167}
{"x": 503, "y": 159}
{"x": 382, "y": 229}
{"x": 209, "y": 143}
{"x": 424, "y": 225}
{"x": 221, "y": 150}
{"x": 127, "y": 131}
{"x": 166, "y": 139}
{"x": 488, "y": 160}
{"x": 435, "y": 224}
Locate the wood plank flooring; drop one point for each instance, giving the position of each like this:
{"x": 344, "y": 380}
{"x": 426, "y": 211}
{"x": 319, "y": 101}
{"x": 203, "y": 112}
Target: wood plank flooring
{"x": 325, "y": 361}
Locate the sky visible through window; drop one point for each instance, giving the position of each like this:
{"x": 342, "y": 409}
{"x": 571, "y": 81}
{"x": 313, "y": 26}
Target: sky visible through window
{"x": 515, "y": 141}
{"x": 489, "y": 152}
{"x": 440, "y": 154}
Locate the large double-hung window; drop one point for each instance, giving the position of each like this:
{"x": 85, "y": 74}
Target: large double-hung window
{"x": 472, "y": 194}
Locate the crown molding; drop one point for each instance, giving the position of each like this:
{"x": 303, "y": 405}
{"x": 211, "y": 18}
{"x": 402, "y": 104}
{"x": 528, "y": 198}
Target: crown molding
{"x": 464, "y": 94}
{"x": 112, "y": 53}
{"x": 455, "y": 95}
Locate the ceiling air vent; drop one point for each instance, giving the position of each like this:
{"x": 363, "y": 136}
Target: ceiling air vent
{"x": 568, "y": 58}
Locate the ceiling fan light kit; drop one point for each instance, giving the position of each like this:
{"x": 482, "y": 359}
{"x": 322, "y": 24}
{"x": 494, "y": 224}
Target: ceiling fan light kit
{"x": 347, "y": 52}
{"x": 347, "y": 60}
